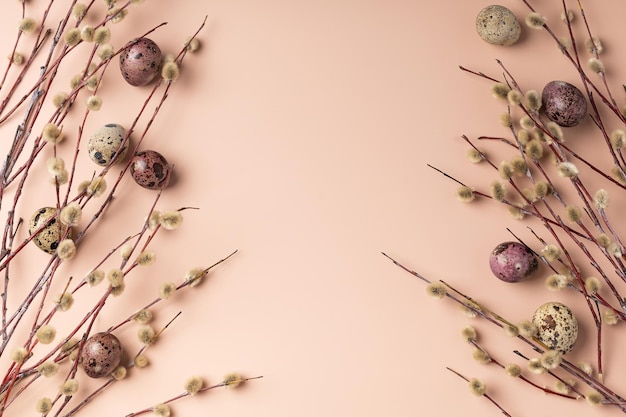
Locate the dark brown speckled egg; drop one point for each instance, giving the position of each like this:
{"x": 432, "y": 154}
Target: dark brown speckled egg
{"x": 140, "y": 62}
{"x": 563, "y": 103}
{"x": 150, "y": 170}
{"x": 47, "y": 239}
{"x": 100, "y": 355}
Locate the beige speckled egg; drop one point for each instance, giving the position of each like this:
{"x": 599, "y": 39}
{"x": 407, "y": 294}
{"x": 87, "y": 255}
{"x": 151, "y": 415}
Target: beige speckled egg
{"x": 498, "y": 25}
{"x": 101, "y": 354}
{"x": 48, "y": 238}
{"x": 106, "y": 142}
{"x": 557, "y": 326}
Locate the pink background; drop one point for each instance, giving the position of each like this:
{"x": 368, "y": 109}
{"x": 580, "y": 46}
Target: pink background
{"x": 302, "y": 130}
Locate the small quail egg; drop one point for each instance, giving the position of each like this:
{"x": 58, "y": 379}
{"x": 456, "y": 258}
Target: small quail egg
{"x": 101, "y": 354}
{"x": 150, "y": 170}
{"x": 557, "y": 326}
{"x": 47, "y": 239}
{"x": 106, "y": 143}
{"x": 498, "y": 25}
{"x": 512, "y": 262}
{"x": 140, "y": 61}
{"x": 563, "y": 103}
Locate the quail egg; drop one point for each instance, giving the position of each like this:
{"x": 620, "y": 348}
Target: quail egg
{"x": 557, "y": 326}
{"x": 498, "y": 25}
{"x": 47, "y": 238}
{"x": 151, "y": 170}
{"x": 140, "y": 61}
{"x": 101, "y": 354}
{"x": 564, "y": 103}
{"x": 106, "y": 143}
{"x": 512, "y": 262}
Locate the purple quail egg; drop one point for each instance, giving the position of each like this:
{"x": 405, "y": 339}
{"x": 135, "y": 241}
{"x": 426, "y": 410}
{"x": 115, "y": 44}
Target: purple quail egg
{"x": 498, "y": 25}
{"x": 512, "y": 262}
{"x": 140, "y": 62}
{"x": 563, "y": 103}
{"x": 100, "y": 355}
{"x": 106, "y": 143}
{"x": 150, "y": 170}
{"x": 47, "y": 239}
{"x": 557, "y": 326}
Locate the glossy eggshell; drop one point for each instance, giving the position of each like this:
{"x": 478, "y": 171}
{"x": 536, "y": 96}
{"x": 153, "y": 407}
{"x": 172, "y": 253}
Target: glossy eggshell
{"x": 100, "y": 355}
{"x": 512, "y": 262}
{"x": 106, "y": 142}
{"x": 498, "y": 25}
{"x": 150, "y": 170}
{"x": 140, "y": 62}
{"x": 564, "y": 103}
{"x": 48, "y": 238}
{"x": 557, "y": 327}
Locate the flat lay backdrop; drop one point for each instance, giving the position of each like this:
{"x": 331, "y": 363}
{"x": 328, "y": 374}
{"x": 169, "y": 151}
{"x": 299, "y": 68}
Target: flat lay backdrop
{"x": 302, "y": 131}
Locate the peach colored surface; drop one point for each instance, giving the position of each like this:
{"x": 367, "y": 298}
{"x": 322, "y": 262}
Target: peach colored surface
{"x": 302, "y": 130}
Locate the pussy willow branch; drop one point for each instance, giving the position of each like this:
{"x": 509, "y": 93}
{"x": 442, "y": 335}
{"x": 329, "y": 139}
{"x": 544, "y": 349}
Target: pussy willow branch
{"x": 111, "y": 193}
{"x": 100, "y": 304}
{"x": 578, "y": 185}
{"x": 11, "y": 174}
{"x": 555, "y": 147}
{"x": 93, "y": 313}
{"x": 186, "y": 394}
{"x": 100, "y": 389}
{"x": 596, "y": 297}
{"x": 61, "y": 355}
{"x": 578, "y": 67}
{"x": 562, "y": 145}
{"x": 477, "y": 308}
{"x": 538, "y": 121}
{"x": 485, "y": 395}
{"x": 541, "y": 125}
{"x": 72, "y": 95}
{"x": 60, "y": 28}
{"x": 42, "y": 35}
{"x": 157, "y": 300}
{"x": 529, "y": 381}
{"x": 107, "y": 201}
{"x": 570, "y": 261}
{"x": 596, "y": 215}
{"x": 111, "y": 380}
{"x": 45, "y": 75}
{"x": 594, "y": 51}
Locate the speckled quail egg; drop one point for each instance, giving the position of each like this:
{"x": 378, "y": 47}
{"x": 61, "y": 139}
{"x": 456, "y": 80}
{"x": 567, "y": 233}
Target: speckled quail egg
{"x": 47, "y": 239}
{"x": 101, "y": 354}
{"x": 140, "y": 61}
{"x": 512, "y": 262}
{"x": 564, "y": 103}
{"x": 150, "y": 169}
{"x": 106, "y": 142}
{"x": 498, "y": 25}
{"x": 557, "y": 326}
